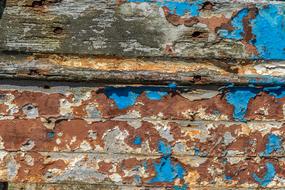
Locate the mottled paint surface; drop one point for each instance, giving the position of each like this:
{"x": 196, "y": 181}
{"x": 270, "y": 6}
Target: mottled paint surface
{"x": 126, "y": 96}
{"x": 266, "y": 25}
{"x": 268, "y": 177}
{"x": 175, "y": 137}
{"x": 267, "y": 29}
{"x": 177, "y": 7}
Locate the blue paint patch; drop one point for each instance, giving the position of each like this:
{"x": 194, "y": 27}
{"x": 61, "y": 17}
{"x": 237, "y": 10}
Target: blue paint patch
{"x": 155, "y": 95}
{"x": 196, "y": 151}
{"x": 267, "y": 80}
{"x": 276, "y": 91}
{"x": 273, "y": 144}
{"x": 145, "y": 165}
{"x": 125, "y": 97}
{"x": 239, "y": 97}
{"x": 228, "y": 178}
{"x": 172, "y": 85}
{"x": 268, "y": 177}
{"x": 138, "y": 140}
{"x": 179, "y": 8}
{"x": 51, "y": 134}
{"x": 165, "y": 170}
{"x": 269, "y": 30}
{"x": 164, "y": 148}
{"x": 238, "y": 32}
{"x": 184, "y": 187}
{"x": 137, "y": 179}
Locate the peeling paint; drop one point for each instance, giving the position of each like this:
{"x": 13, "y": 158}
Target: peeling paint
{"x": 268, "y": 177}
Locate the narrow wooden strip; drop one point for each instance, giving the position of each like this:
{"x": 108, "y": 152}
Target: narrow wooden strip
{"x": 38, "y": 167}
{"x": 144, "y": 138}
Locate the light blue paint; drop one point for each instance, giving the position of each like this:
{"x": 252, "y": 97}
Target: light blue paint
{"x": 268, "y": 177}
{"x": 165, "y": 170}
{"x": 273, "y": 144}
{"x": 184, "y": 187}
{"x": 238, "y": 32}
{"x": 267, "y": 80}
{"x": 179, "y": 8}
{"x": 138, "y": 140}
{"x": 125, "y": 97}
{"x": 172, "y": 85}
{"x": 155, "y": 95}
{"x": 164, "y": 148}
{"x": 269, "y": 30}
{"x": 137, "y": 179}
{"x": 239, "y": 97}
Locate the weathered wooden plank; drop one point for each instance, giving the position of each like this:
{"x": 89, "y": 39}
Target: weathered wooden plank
{"x": 197, "y": 29}
{"x": 135, "y": 120}
{"x": 206, "y": 139}
{"x": 228, "y": 103}
{"x": 114, "y": 70}
{"x": 164, "y": 171}
{"x": 71, "y": 186}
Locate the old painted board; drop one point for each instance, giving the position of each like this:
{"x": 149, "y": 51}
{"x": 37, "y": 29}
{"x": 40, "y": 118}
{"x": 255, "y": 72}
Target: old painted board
{"x": 189, "y": 29}
{"x": 167, "y": 136}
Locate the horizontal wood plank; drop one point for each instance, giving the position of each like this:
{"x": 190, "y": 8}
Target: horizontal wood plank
{"x": 196, "y": 29}
{"x": 46, "y": 167}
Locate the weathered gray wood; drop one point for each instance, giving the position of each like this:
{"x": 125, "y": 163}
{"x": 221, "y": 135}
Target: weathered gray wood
{"x": 109, "y": 27}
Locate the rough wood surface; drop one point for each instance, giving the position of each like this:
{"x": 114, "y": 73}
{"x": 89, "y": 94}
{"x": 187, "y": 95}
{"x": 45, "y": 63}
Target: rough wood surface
{"x": 142, "y": 94}
{"x": 126, "y": 136}
{"x": 115, "y": 70}
{"x": 197, "y": 29}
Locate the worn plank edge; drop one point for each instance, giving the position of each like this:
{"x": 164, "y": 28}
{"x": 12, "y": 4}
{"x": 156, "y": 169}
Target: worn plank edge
{"x": 116, "y": 70}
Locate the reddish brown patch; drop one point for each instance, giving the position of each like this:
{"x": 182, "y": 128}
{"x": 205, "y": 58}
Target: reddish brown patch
{"x": 215, "y": 22}
{"x": 130, "y": 163}
{"x": 16, "y": 133}
{"x": 34, "y": 172}
{"x": 47, "y": 104}
{"x": 105, "y": 167}
{"x": 177, "y": 20}
{"x": 263, "y": 103}
{"x": 3, "y": 109}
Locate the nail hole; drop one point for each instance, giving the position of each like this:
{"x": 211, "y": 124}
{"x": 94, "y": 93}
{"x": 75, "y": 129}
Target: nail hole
{"x": 207, "y": 6}
{"x": 30, "y": 107}
{"x": 58, "y": 30}
{"x": 196, "y": 34}
{"x": 37, "y": 3}
{"x": 46, "y": 87}
{"x": 197, "y": 78}
{"x": 33, "y": 72}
